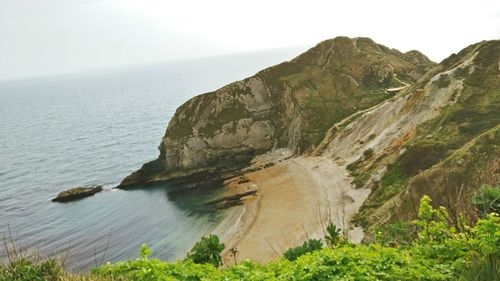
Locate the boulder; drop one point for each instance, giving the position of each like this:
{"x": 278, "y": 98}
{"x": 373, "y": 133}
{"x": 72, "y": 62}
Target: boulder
{"x": 77, "y": 193}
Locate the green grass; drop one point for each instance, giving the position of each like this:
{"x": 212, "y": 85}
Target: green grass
{"x": 392, "y": 183}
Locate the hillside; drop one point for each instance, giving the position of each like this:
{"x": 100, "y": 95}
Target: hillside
{"x": 351, "y": 128}
{"x": 289, "y": 105}
{"x": 441, "y": 139}
{"x": 344, "y": 145}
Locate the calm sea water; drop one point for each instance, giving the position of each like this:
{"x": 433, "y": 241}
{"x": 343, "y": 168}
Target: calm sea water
{"x": 96, "y": 128}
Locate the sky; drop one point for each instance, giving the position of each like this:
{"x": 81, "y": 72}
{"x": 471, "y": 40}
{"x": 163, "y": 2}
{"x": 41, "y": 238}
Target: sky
{"x": 47, "y": 37}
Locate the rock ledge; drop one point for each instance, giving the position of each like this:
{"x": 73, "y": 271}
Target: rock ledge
{"x": 77, "y": 193}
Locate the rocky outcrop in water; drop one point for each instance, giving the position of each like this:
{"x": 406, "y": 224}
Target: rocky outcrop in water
{"x": 77, "y": 193}
{"x": 291, "y": 105}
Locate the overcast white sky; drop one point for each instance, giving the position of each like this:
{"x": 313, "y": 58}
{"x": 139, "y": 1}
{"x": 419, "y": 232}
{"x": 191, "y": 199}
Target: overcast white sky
{"x": 45, "y": 37}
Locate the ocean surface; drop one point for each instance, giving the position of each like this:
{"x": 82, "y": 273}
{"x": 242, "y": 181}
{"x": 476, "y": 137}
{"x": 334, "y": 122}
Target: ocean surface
{"x": 96, "y": 128}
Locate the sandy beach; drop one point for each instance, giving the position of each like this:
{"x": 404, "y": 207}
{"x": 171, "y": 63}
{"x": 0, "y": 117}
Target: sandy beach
{"x": 295, "y": 199}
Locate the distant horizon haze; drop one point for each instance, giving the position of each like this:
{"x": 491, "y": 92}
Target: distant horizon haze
{"x": 43, "y": 38}
{"x": 285, "y": 51}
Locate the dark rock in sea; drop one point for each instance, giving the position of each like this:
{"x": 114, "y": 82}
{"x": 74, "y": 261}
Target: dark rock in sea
{"x": 76, "y": 193}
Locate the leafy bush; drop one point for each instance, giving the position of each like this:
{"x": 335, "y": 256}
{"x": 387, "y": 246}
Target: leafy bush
{"x": 309, "y": 246}
{"x": 487, "y": 199}
{"x": 333, "y": 235}
{"x": 436, "y": 251}
{"x": 487, "y": 234}
{"x": 439, "y": 252}
{"x": 207, "y": 250}
{"x": 432, "y": 223}
{"x": 144, "y": 252}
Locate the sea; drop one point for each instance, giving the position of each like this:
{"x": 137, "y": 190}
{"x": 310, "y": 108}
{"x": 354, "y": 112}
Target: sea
{"x": 95, "y": 128}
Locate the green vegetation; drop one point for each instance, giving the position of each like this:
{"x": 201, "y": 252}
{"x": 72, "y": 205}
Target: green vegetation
{"x": 361, "y": 176}
{"x": 207, "y": 250}
{"x": 333, "y": 235}
{"x": 25, "y": 269}
{"x": 353, "y": 166}
{"x": 449, "y": 155}
{"x": 326, "y": 87}
{"x": 360, "y": 179}
{"x": 487, "y": 199}
{"x": 443, "y": 81}
{"x": 351, "y": 119}
{"x": 420, "y": 156}
{"x": 452, "y": 182}
{"x": 309, "y": 246}
{"x": 368, "y": 153}
{"x": 430, "y": 248}
{"x": 144, "y": 252}
{"x": 429, "y": 158}
{"x": 392, "y": 183}
{"x": 399, "y": 233}
{"x": 433, "y": 251}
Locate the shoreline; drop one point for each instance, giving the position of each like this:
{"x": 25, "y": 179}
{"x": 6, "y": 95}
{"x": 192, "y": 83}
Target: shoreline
{"x": 295, "y": 199}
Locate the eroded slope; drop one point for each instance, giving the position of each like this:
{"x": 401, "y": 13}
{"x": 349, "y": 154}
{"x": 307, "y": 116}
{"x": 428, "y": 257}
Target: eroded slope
{"x": 289, "y": 105}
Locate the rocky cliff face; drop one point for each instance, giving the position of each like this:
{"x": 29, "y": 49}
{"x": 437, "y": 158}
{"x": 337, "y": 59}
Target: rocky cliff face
{"x": 438, "y": 137}
{"x": 292, "y": 105}
{"x": 400, "y": 124}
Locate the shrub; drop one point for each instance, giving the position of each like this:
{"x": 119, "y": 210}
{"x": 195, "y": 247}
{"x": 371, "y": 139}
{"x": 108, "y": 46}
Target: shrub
{"x": 207, "y": 250}
{"x": 483, "y": 264}
{"x": 309, "y": 246}
{"x": 354, "y": 165}
{"x": 144, "y": 252}
{"x": 368, "y": 153}
{"x": 432, "y": 223}
{"x": 439, "y": 253}
{"x": 487, "y": 234}
{"x": 333, "y": 235}
{"x": 487, "y": 200}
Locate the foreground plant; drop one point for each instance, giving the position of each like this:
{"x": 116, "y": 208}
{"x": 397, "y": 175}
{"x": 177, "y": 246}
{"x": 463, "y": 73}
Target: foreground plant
{"x": 207, "y": 250}
{"x": 435, "y": 251}
{"x": 487, "y": 199}
{"x": 309, "y": 246}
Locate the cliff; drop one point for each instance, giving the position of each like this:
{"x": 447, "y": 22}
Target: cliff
{"x": 438, "y": 137}
{"x": 401, "y": 125}
{"x": 291, "y": 105}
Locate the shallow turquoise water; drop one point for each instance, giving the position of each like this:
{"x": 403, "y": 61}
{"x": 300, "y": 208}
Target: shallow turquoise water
{"x": 96, "y": 128}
